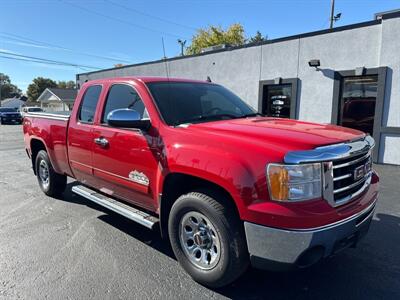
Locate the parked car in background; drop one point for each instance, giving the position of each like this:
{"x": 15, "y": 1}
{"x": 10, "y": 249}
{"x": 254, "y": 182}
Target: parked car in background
{"x": 29, "y": 109}
{"x": 10, "y": 116}
{"x": 228, "y": 186}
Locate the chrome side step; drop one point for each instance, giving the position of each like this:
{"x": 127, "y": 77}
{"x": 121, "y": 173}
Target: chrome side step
{"x": 127, "y": 211}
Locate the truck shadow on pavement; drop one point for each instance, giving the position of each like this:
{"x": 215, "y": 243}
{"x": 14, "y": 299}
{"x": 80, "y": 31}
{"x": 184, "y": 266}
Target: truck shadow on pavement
{"x": 372, "y": 270}
{"x": 135, "y": 230}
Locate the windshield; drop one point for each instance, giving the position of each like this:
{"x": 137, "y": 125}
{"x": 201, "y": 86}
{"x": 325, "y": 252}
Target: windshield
{"x": 188, "y": 102}
{"x": 34, "y": 109}
{"x": 6, "y": 109}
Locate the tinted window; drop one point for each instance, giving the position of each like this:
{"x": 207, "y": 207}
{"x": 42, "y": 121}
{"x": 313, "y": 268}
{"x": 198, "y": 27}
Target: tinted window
{"x": 278, "y": 98}
{"x": 357, "y": 109}
{"x": 123, "y": 96}
{"x": 89, "y": 103}
{"x": 35, "y": 109}
{"x": 8, "y": 109}
{"x": 187, "y": 102}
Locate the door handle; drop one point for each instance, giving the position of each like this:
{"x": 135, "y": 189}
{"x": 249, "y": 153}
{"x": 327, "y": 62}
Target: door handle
{"x": 101, "y": 141}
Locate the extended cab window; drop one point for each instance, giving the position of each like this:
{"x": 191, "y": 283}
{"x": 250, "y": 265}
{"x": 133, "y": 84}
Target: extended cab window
{"x": 89, "y": 103}
{"x": 123, "y": 96}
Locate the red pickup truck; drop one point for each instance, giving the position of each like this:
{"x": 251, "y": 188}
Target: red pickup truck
{"x": 226, "y": 185}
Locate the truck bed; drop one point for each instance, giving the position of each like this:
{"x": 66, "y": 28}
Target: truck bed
{"x": 51, "y": 130}
{"x": 56, "y": 114}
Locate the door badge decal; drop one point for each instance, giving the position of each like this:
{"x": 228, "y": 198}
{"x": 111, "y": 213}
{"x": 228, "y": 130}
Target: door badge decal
{"x": 139, "y": 177}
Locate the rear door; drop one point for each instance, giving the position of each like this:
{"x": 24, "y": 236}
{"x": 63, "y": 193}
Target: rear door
{"x": 80, "y": 135}
{"x": 124, "y": 163}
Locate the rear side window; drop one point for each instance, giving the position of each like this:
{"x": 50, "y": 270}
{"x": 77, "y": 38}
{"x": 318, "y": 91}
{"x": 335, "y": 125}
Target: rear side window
{"x": 89, "y": 103}
{"x": 123, "y": 96}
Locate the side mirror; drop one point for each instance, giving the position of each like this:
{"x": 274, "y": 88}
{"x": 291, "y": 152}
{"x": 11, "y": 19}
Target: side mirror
{"x": 127, "y": 118}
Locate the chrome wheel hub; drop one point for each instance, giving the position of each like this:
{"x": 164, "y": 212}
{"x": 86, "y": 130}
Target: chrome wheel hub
{"x": 44, "y": 174}
{"x": 199, "y": 240}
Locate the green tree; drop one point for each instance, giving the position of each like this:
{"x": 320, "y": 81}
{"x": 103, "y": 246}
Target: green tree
{"x": 257, "y": 38}
{"x": 70, "y": 84}
{"x": 216, "y": 35}
{"x": 38, "y": 85}
{"x": 7, "y": 89}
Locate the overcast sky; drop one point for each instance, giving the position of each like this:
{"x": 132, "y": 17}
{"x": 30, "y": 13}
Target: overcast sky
{"x": 100, "y": 33}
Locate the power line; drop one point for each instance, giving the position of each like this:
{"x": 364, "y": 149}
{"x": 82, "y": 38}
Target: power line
{"x": 49, "y": 61}
{"x": 40, "y": 62}
{"x": 120, "y": 20}
{"x": 37, "y": 43}
{"x": 149, "y": 15}
{"x": 31, "y": 60}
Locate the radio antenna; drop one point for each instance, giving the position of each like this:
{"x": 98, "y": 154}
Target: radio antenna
{"x": 165, "y": 58}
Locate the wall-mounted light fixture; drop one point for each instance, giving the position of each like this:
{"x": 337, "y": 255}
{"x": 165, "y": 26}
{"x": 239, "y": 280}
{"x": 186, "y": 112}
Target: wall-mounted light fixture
{"x": 314, "y": 63}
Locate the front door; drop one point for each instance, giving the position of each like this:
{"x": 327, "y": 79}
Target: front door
{"x": 357, "y": 102}
{"x": 124, "y": 164}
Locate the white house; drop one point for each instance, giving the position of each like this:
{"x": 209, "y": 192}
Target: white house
{"x": 56, "y": 99}
{"x": 12, "y": 103}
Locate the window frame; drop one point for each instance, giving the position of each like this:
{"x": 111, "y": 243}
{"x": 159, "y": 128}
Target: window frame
{"x": 378, "y": 128}
{"x": 293, "y": 101}
{"x": 101, "y": 123}
{"x": 81, "y": 104}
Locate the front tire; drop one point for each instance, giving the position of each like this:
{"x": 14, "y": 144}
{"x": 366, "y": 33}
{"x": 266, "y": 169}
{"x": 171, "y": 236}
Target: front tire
{"x": 207, "y": 238}
{"x": 50, "y": 182}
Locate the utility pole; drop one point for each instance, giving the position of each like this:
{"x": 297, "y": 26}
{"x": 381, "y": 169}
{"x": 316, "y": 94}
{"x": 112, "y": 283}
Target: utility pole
{"x": 182, "y": 43}
{"x": 1, "y": 86}
{"x": 332, "y": 18}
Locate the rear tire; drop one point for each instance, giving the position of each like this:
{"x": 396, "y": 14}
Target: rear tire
{"x": 207, "y": 238}
{"x": 50, "y": 182}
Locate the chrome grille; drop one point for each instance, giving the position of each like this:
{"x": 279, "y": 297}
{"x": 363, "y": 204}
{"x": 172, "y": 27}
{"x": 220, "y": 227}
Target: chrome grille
{"x": 351, "y": 176}
{"x": 347, "y": 168}
{"x": 12, "y": 115}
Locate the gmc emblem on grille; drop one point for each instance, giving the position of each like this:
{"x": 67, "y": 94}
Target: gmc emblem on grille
{"x": 361, "y": 171}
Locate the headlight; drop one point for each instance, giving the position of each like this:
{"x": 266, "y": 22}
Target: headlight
{"x": 294, "y": 182}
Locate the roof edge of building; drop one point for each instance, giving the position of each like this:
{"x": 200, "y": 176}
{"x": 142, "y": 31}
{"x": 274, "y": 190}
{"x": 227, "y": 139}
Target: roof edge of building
{"x": 277, "y": 40}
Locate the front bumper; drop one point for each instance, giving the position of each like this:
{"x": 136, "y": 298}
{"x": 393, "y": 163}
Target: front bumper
{"x": 13, "y": 120}
{"x": 279, "y": 249}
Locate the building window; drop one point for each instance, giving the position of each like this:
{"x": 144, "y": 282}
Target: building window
{"x": 357, "y": 102}
{"x": 278, "y": 98}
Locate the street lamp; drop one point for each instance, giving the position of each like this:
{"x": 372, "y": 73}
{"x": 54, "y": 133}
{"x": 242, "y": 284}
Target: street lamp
{"x": 182, "y": 43}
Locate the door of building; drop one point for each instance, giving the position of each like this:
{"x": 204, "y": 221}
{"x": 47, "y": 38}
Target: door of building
{"x": 357, "y": 102}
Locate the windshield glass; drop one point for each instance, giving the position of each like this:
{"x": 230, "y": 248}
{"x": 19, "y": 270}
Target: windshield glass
{"x": 34, "y": 109}
{"x": 6, "y": 109}
{"x": 188, "y": 102}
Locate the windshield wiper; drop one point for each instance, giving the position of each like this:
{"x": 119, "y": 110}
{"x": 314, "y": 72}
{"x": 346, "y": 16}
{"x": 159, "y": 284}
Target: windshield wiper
{"x": 207, "y": 117}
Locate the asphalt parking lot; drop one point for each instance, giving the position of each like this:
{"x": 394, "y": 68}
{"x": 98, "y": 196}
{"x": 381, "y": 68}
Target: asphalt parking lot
{"x": 72, "y": 249}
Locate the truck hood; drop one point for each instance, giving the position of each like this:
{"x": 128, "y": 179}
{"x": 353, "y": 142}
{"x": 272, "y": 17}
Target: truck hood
{"x": 285, "y": 134}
